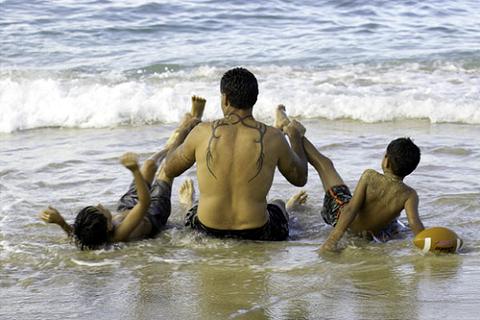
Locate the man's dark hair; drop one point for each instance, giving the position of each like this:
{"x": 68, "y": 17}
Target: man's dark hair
{"x": 404, "y": 156}
{"x": 90, "y": 229}
{"x": 241, "y": 88}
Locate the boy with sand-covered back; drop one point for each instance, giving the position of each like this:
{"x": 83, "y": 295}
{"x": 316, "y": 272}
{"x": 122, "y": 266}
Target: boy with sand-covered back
{"x": 378, "y": 198}
{"x": 142, "y": 211}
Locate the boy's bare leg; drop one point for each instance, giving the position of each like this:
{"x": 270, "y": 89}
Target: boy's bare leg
{"x": 150, "y": 166}
{"x": 198, "y": 106}
{"x": 163, "y": 177}
{"x": 324, "y": 166}
{"x": 297, "y": 200}
{"x": 187, "y": 194}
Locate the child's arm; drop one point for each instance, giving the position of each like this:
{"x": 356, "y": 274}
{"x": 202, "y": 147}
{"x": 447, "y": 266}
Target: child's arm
{"x": 347, "y": 215}
{"x": 411, "y": 209}
{"x": 136, "y": 214}
{"x": 51, "y": 215}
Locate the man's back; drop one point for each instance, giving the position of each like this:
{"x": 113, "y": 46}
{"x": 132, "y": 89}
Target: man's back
{"x": 236, "y": 160}
{"x": 385, "y": 198}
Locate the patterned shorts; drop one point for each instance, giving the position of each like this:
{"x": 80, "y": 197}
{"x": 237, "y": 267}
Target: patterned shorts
{"x": 335, "y": 198}
{"x": 160, "y": 206}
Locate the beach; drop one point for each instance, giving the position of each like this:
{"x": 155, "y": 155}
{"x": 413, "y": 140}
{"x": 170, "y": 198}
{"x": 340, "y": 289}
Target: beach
{"x": 83, "y": 82}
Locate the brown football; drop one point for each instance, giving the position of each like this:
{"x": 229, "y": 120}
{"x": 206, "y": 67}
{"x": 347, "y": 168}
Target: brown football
{"x": 438, "y": 239}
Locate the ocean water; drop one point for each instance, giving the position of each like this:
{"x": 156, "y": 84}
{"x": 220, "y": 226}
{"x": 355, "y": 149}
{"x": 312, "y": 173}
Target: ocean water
{"x": 81, "y": 82}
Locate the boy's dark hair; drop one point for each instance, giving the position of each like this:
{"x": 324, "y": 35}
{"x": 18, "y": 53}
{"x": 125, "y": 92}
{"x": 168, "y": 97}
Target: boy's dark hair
{"x": 90, "y": 229}
{"x": 404, "y": 156}
{"x": 241, "y": 88}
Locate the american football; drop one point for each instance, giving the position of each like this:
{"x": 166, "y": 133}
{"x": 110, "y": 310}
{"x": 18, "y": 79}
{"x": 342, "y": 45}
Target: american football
{"x": 438, "y": 239}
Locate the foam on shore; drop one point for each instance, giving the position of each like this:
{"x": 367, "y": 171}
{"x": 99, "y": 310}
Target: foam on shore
{"x": 440, "y": 93}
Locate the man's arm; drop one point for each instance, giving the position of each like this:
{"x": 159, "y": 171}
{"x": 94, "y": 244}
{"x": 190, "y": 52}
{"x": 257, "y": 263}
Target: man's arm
{"x": 347, "y": 215}
{"x": 136, "y": 214}
{"x": 411, "y": 209}
{"x": 51, "y": 215}
{"x": 181, "y": 154}
{"x": 293, "y": 161}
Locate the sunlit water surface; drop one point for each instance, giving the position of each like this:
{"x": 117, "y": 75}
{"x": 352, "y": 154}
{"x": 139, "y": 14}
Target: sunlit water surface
{"x": 183, "y": 275}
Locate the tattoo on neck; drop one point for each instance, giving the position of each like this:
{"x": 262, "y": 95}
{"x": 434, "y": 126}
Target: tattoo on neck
{"x": 232, "y": 119}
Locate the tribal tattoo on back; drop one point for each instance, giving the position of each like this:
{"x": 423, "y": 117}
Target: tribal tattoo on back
{"x": 260, "y": 127}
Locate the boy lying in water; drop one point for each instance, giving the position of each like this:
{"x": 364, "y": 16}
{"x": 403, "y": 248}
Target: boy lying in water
{"x": 378, "y": 198}
{"x": 142, "y": 211}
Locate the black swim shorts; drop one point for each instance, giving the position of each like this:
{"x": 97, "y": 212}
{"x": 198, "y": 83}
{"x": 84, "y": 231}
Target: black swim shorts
{"x": 160, "y": 206}
{"x": 276, "y": 229}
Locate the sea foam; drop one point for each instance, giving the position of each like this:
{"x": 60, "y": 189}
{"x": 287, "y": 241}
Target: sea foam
{"x": 439, "y": 93}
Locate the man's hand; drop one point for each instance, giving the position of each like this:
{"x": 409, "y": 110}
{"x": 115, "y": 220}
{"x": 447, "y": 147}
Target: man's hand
{"x": 294, "y": 126}
{"x": 51, "y": 215}
{"x": 188, "y": 123}
{"x": 130, "y": 161}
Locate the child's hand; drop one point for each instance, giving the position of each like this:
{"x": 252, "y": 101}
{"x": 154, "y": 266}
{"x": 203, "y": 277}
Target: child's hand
{"x": 130, "y": 161}
{"x": 51, "y": 215}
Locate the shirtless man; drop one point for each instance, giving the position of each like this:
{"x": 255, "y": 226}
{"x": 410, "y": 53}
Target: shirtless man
{"x": 378, "y": 198}
{"x": 236, "y": 158}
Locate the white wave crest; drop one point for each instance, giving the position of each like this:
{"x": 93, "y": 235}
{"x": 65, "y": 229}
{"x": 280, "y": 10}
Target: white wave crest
{"x": 442, "y": 93}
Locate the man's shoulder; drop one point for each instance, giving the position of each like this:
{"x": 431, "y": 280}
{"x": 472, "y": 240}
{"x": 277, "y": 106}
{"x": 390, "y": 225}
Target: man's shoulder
{"x": 201, "y": 128}
{"x": 275, "y": 137}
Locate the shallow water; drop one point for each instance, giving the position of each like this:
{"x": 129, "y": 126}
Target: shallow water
{"x": 183, "y": 275}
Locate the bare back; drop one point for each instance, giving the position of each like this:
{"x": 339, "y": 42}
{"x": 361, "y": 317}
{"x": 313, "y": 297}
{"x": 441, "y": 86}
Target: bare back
{"x": 385, "y": 198}
{"x": 236, "y": 163}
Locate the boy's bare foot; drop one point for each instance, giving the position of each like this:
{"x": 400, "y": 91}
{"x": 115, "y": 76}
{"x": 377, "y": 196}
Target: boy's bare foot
{"x": 187, "y": 194}
{"x": 281, "y": 118}
{"x": 198, "y": 105}
{"x": 297, "y": 200}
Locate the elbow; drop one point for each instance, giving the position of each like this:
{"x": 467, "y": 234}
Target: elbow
{"x": 300, "y": 181}
{"x": 169, "y": 172}
{"x": 417, "y": 229}
{"x": 168, "y": 169}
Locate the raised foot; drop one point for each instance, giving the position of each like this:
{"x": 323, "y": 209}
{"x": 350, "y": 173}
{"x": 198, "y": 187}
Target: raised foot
{"x": 198, "y": 105}
{"x": 187, "y": 193}
{"x": 281, "y": 118}
{"x": 297, "y": 200}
